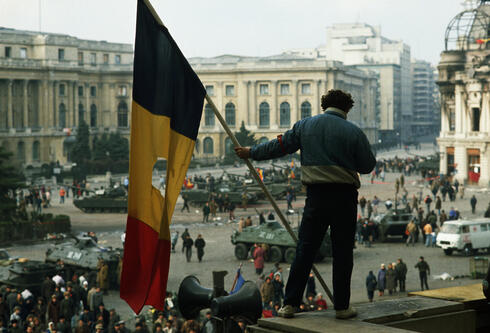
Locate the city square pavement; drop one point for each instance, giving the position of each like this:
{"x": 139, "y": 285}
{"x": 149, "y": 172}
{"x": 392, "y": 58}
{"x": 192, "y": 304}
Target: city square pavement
{"x": 219, "y": 252}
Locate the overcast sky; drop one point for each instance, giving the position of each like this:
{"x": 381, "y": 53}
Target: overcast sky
{"x": 246, "y": 27}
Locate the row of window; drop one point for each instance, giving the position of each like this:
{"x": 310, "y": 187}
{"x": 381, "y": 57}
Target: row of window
{"x": 284, "y": 89}
{"x": 264, "y": 114}
{"x": 122, "y": 115}
{"x": 61, "y": 56}
{"x": 121, "y": 91}
{"x": 93, "y": 58}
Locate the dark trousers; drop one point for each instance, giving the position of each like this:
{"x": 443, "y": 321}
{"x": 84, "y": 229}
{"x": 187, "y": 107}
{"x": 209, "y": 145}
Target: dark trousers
{"x": 423, "y": 280}
{"x": 333, "y": 205}
{"x": 401, "y": 284}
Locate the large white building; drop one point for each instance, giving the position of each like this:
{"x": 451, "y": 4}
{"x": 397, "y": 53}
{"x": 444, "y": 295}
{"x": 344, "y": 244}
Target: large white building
{"x": 363, "y": 45}
{"x": 464, "y": 84}
{"x": 50, "y": 82}
{"x": 269, "y": 94}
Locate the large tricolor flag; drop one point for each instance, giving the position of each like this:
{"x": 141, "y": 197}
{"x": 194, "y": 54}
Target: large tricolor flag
{"x": 166, "y": 111}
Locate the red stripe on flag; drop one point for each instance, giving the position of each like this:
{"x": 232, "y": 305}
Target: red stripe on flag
{"x": 147, "y": 259}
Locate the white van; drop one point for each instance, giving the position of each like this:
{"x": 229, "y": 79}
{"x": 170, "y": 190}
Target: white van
{"x": 466, "y": 236}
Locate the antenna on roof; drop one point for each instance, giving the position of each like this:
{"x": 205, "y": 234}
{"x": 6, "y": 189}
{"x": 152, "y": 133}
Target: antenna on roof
{"x": 39, "y": 11}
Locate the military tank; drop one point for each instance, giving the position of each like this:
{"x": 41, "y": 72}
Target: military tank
{"x": 104, "y": 201}
{"x": 26, "y": 274}
{"x": 83, "y": 254}
{"x": 197, "y": 197}
{"x": 281, "y": 246}
{"x": 392, "y": 223}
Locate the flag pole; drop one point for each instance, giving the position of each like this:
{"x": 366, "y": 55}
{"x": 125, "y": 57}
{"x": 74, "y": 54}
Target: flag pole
{"x": 236, "y": 278}
{"x": 266, "y": 192}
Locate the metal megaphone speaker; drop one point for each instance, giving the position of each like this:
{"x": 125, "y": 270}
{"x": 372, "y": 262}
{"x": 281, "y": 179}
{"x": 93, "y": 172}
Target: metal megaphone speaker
{"x": 193, "y": 297}
{"x": 245, "y": 303}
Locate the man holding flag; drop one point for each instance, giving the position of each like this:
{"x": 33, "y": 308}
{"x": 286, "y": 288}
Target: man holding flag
{"x": 333, "y": 152}
{"x": 166, "y": 111}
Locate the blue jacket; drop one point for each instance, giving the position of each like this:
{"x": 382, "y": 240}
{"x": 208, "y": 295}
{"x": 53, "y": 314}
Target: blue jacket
{"x": 333, "y": 150}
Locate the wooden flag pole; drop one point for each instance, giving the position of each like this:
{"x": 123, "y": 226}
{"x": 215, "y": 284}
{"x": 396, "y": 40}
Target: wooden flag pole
{"x": 266, "y": 192}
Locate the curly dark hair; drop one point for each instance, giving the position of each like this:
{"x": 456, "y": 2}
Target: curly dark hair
{"x": 337, "y": 99}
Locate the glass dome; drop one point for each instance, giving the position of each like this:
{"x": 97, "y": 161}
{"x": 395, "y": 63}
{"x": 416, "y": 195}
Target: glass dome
{"x": 470, "y": 29}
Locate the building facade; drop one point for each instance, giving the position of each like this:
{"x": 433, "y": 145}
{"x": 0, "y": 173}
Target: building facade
{"x": 50, "y": 82}
{"x": 269, "y": 94}
{"x": 464, "y": 84}
{"x": 426, "y": 112}
{"x": 363, "y": 45}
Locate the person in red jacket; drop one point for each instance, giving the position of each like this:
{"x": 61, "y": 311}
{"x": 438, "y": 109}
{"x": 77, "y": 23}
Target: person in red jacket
{"x": 258, "y": 255}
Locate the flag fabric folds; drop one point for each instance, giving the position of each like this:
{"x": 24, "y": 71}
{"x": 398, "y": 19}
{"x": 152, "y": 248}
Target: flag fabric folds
{"x": 166, "y": 111}
{"x": 238, "y": 283}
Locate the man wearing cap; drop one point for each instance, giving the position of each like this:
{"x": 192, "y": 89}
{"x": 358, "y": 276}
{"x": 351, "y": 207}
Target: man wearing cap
{"x": 333, "y": 152}
{"x": 67, "y": 307}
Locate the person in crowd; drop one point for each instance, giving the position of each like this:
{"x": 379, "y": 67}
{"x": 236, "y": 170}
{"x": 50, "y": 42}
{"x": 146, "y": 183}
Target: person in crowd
{"x": 401, "y": 274}
{"x": 382, "y": 280}
{"x": 200, "y": 244}
{"x": 371, "y": 285}
{"x": 424, "y": 271}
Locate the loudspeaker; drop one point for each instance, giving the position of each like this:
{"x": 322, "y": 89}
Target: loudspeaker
{"x": 192, "y": 297}
{"x": 245, "y": 303}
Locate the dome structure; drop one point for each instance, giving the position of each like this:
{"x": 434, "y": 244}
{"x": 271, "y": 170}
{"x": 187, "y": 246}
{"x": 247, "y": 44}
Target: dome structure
{"x": 470, "y": 29}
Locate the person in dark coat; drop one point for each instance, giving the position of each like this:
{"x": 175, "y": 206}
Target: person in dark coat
{"x": 390, "y": 279}
{"x": 47, "y": 288}
{"x": 4, "y": 310}
{"x": 183, "y": 236}
{"x": 382, "y": 280}
{"x": 424, "y": 270}
{"x": 278, "y": 289}
{"x": 401, "y": 274}
{"x": 473, "y": 204}
{"x": 53, "y": 309}
{"x": 188, "y": 242}
{"x": 371, "y": 284}
{"x": 205, "y": 212}
{"x": 67, "y": 307}
{"x": 200, "y": 244}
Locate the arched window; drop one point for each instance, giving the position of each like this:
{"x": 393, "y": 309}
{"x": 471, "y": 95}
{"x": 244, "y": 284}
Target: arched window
{"x": 263, "y": 140}
{"x": 284, "y": 114}
{"x": 208, "y": 116}
{"x": 228, "y": 146}
{"x": 93, "y": 115}
{"x": 208, "y": 146}
{"x": 21, "y": 151}
{"x": 81, "y": 113}
{"x": 230, "y": 114}
{"x": 305, "y": 110}
{"x": 35, "y": 150}
{"x": 264, "y": 120}
{"x": 62, "y": 115}
{"x": 122, "y": 115}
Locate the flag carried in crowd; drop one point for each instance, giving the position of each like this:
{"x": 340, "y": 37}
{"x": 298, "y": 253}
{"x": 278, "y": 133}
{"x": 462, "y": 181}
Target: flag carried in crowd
{"x": 238, "y": 282}
{"x": 166, "y": 111}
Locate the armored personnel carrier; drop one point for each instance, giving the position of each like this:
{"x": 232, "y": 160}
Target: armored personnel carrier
{"x": 281, "y": 246}
{"x": 105, "y": 201}
{"x": 26, "y": 274}
{"x": 392, "y": 223}
{"x": 83, "y": 254}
